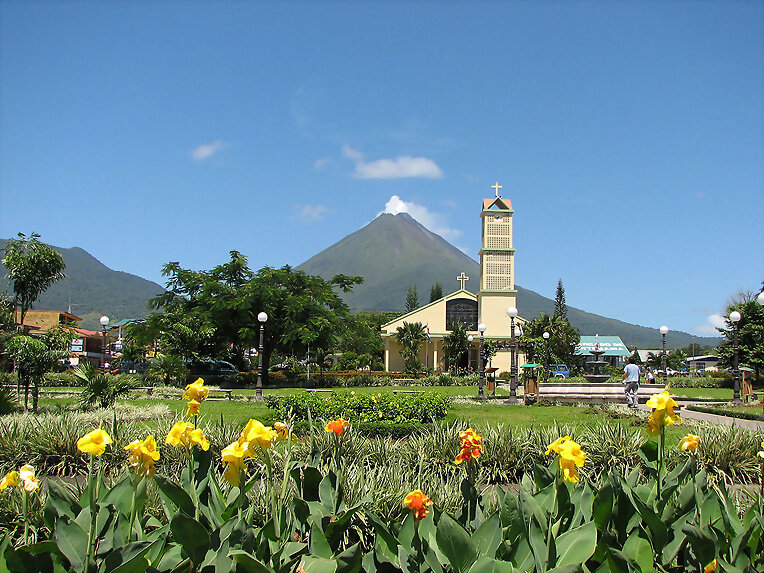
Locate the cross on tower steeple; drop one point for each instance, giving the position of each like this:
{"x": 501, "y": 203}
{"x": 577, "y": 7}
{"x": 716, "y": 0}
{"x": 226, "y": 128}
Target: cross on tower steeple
{"x": 496, "y": 188}
{"x": 462, "y": 278}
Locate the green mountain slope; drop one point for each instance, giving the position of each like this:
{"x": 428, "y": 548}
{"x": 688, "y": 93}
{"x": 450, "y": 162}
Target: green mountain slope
{"x": 395, "y": 251}
{"x": 93, "y": 290}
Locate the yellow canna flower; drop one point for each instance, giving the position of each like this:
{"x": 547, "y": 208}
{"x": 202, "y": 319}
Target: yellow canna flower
{"x": 196, "y": 391}
{"x": 257, "y": 435}
{"x": 29, "y": 481}
{"x": 761, "y": 453}
{"x": 94, "y": 442}
{"x": 143, "y": 454}
{"x": 661, "y": 401}
{"x": 418, "y": 503}
{"x": 571, "y": 455}
{"x": 689, "y": 443}
{"x": 282, "y": 431}
{"x": 710, "y": 568}
{"x": 233, "y": 456}
{"x": 193, "y": 408}
{"x": 10, "y": 479}
{"x": 556, "y": 446}
{"x": 184, "y": 434}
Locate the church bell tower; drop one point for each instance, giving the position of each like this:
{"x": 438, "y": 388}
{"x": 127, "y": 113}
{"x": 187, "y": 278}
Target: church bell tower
{"x": 497, "y": 265}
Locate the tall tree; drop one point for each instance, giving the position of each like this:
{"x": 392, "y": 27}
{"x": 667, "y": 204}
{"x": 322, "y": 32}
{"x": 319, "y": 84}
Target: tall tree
{"x": 560, "y": 308}
{"x": 436, "y": 292}
{"x": 32, "y": 267}
{"x": 563, "y": 338}
{"x": 750, "y": 329}
{"x": 412, "y": 299}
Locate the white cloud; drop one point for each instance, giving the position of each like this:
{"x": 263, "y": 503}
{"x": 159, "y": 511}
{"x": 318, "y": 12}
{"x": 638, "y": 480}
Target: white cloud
{"x": 398, "y": 168}
{"x": 713, "y": 322}
{"x": 309, "y": 213}
{"x": 321, "y": 163}
{"x": 435, "y": 222}
{"x": 351, "y": 153}
{"x": 401, "y": 167}
{"x": 207, "y": 150}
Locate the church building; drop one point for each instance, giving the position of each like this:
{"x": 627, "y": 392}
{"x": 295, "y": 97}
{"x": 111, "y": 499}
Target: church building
{"x": 489, "y": 307}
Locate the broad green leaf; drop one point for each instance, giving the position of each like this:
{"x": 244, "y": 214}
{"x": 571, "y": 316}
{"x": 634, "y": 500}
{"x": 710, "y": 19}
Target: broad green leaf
{"x": 640, "y": 550}
{"x": 649, "y": 454}
{"x": 566, "y": 569}
{"x": 192, "y": 535}
{"x": 72, "y": 541}
{"x": 703, "y": 545}
{"x": 307, "y": 479}
{"x": 132, "y": 557}
{"x": 576, "y": 545}
{"x": 602, "y": 507}
{"x": 318, "y": 565}
{"x": 172, "y": 492}
{"x": 349, "y": 561}
{"x": 247, "y": 562}
{"x": 488, "y": 536}
{"x": 319, "y": 546}
{"x": 486, "y": 564}
{"x": 455, "y": 544}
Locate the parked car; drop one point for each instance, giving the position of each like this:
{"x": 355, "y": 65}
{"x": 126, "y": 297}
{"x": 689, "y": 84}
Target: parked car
{"x": 559, "y": 370}
{"x": 214, "y": 372}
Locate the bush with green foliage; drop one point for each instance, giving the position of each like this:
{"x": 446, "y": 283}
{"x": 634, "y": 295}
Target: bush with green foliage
{"x": 423, "y": 408}
{"x": 102, "y": 389}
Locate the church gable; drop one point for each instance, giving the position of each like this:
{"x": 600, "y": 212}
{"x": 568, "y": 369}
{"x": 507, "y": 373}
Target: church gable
{"x": 434, "y": 314}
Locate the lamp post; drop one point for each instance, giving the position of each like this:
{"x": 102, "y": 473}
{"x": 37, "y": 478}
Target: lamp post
{"x": 734, "y": 319}
{"x": 664, "y": 332}
{"x": 470, "y": 338}
{"x": 546, "y": 336}
{"x": 481, "y": 363}
{"x": 262, "y": 317}
{"x": 104, "y": 320}
{"x": 760, "y": 300}
{"x": 512, "y": 314}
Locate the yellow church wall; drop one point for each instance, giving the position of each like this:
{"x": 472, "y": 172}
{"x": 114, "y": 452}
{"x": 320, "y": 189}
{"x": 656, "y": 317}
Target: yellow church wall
{"x": 492, "y": 307}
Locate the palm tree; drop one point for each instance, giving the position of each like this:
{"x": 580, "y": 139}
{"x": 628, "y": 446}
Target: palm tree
{"x": 456, "y": 346}
{"x": 410, "y": 336}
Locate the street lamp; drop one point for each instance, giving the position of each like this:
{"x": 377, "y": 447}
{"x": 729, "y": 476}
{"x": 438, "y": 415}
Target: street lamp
{"x": 512, "y": 314}
{"x": 262, "y": 317}
{"x": 546, "y": 336}
{"x": 664, "y": 332}
{"x": 481, "y": 394}
{"x": 104, "y": 320}
{"x": 734, "y": 319}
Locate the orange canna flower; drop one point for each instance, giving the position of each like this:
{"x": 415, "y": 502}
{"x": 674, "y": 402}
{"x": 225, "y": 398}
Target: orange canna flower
{"x": 418, "y": 503}
{"x": 338, "y": 426}
{"x": 471, "y": 446}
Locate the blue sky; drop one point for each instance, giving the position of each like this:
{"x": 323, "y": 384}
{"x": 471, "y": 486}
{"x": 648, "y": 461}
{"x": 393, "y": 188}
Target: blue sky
{"x": 629, "y": 136}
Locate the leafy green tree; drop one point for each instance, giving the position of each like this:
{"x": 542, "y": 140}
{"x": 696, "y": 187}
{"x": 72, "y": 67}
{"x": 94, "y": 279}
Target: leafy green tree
{"x": 750, "y": 338}
{"x": 412, "y": 299}
{"x": 33, "y": 356}
{"x": 213, "y": 314}
{"x": 32, "y": 267}
{"x": 560, "y": 308}
{"x": 411, "y": 336}
{"x": 436, "y": 292}
{"x": 456, "y": 347}
{"x": 563, "y": 339}
{"x": 674, "y": 359}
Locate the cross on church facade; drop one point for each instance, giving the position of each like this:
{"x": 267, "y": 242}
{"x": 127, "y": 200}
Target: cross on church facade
{"x": 496, "y": 188}
{"x": 462, "y": 278}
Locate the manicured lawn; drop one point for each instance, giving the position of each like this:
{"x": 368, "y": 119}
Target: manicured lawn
{"x": 720, "y": 394}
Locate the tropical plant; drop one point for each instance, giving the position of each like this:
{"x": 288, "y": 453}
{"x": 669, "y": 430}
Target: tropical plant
{"x": 411, "y": 336}
{"x": 168, "y": 368}
{"x": 102, "y": 389}
{"x": 456, "y": 346}
{"x": 750, "y": 334}
{"x": 562, "y": 341}
{"x": 32, "y": 267}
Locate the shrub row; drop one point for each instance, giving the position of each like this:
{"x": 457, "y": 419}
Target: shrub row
{"x": 423, "y": 408}
{"x": 725, "y": 411}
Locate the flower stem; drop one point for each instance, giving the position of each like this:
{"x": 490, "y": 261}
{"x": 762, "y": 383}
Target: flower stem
{"x": 24, "y": 514}
{"x": 661, "y": 452}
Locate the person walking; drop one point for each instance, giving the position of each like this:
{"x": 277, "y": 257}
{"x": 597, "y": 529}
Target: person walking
{"x": 631, "y": 380}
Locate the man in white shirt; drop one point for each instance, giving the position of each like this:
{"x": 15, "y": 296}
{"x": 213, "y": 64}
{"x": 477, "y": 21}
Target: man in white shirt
{"x": 631, "y": 379}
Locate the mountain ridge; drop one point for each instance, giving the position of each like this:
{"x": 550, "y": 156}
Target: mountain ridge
{"x": 394, "y": 252}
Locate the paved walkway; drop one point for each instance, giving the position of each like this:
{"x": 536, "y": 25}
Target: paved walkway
{"x": 755, "y": 425}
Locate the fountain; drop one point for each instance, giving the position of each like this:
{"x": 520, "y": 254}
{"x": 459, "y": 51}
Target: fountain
{"x": 596, "y": 364}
